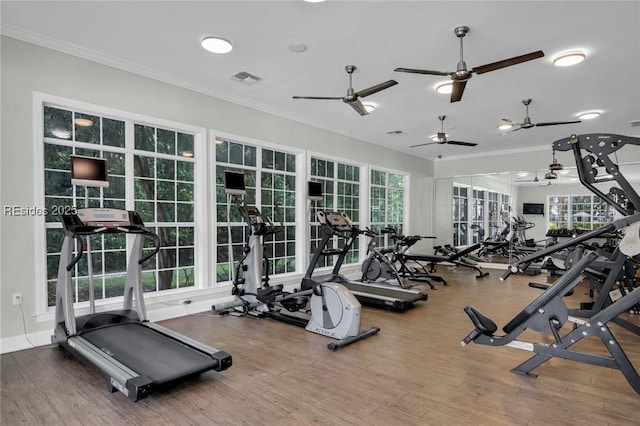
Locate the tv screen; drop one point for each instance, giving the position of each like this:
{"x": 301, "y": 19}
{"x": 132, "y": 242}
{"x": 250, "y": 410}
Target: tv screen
{"x": 532, "y": 208}
{"x": 315, "y": 191}
{"x": 234, "y": 183}
{"x": 89, "y": 171}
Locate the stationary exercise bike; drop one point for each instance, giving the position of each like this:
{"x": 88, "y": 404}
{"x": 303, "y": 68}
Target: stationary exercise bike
{"x": 324, "y": 308}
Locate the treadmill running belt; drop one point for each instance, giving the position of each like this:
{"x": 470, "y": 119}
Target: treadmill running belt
{"x": 150, "y": 353}
{"x": 386, "y": 292}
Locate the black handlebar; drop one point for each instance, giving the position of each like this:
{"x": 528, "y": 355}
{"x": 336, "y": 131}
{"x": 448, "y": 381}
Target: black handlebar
{"x": 156, "y": 248}
{"x": 511, "y": 269}
{"x": 78, "y": 255}
{"x": 83, "y": 230}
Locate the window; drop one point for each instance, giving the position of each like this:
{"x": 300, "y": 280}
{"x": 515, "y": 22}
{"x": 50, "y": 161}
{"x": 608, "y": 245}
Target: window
{"x": 585, "y": 212}
{"x": 460, "y": 210}
{"x": 477, "y": 214}
{"x": 163, "y": 194}
{"x": 270, "y": 180}
{"x": 162, "y": 178}
{"x": 341, "y": 192}
{"x": 387, "y": 203}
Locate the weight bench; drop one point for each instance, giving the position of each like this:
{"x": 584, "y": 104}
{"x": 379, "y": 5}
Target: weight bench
{"x": 548, "y": 313}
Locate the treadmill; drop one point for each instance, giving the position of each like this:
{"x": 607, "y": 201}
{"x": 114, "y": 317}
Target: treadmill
{"x": 133, "y": 354}
{"x": 371, "y": 294}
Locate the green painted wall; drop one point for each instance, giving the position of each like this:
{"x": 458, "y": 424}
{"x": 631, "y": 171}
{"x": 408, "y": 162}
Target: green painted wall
{"x": 27, "y": 68}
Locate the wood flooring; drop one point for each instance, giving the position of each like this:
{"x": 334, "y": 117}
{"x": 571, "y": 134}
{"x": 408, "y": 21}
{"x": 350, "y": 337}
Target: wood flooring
{"x": 414, "y": 372}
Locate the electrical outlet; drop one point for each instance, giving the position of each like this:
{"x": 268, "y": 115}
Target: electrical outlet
{"x": 17, "y": 299}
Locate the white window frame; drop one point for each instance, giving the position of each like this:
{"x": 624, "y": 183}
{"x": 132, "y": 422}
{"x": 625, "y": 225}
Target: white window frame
{"x": 406, "y": 186}
{"x": 300, "y": 219}
{"x": 363, "y": 199}
{"x": 39, "y": 100}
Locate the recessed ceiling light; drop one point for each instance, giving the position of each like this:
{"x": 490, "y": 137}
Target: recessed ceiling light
{"x": 83, "y": 122}
{"x": 566, "y": 59}
{"x": 444, "y": 87}
{"x": 523, "y": 174}
{"x": 369, "y": 106}
{"x": 505, "y": 126}
{"x": 216, "y": 45}
{"x": 298, "y": 47}
{"x": 588, "y": 115}
{"x": 314, "y": 1}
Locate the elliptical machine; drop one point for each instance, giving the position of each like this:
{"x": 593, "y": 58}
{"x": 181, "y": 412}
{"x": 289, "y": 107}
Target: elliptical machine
{"x": 377, "y": 266}
{"x": 326, "y": 308}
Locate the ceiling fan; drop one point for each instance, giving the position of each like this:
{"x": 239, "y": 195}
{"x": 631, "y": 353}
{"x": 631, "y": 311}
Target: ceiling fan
{"x": 441, "y": 137}
{"x": 353, "y": 98}
{"x": 462, "y": 74}
{"x": 535, "y": 179}
{"x": 527, "y": 124}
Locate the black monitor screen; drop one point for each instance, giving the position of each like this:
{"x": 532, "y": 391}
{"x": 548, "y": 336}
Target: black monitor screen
{"x": 315, "y": 191}
{"x": 532, "y": 208}
{"x": 234, "y": 183}
{"x": 89, "y": 171}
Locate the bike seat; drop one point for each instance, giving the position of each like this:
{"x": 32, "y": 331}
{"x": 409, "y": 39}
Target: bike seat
{"x": 483, "y": 323}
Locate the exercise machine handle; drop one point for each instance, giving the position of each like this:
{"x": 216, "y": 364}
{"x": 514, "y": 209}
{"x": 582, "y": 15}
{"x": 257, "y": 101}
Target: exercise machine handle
{"x": 225, "y": 306}
{"x": 78, "y": 255}
{"x": 511, "y": 269}
{"x": 156, "y": 248}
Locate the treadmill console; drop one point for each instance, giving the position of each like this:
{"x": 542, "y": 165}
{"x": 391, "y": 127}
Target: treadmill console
{"x": 338, "y": 221}
{"x": 100, "y": 220}
{"x": 109, "y": 218}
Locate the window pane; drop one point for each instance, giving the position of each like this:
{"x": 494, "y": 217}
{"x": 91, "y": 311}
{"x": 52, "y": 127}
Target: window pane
{"x": 57, "y": 123}
{"x": 87, "y": 128}
{"x": 145, "y": 138}
{"x": 113, "y": 132}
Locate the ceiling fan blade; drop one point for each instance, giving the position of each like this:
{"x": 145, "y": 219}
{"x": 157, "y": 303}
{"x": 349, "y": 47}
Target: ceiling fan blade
{"x": 423, "y": 144}
{"x": 458, "y": 90}
{"x": 515, "y": 129}
{"x": 357, "y": 105}
{"x": 417, "y": 71}
{"x": 508, "y": 62}
{"x": 318, "y": 97}
{"x": 461, "y": 143}
{"x": 374, "y": 89}
{"x": 555, "y": 123}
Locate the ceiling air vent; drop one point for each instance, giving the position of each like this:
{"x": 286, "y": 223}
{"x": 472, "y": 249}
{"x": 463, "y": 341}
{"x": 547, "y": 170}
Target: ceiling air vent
{"x": 246, "y": 78}
{"x": 635, "y": 123}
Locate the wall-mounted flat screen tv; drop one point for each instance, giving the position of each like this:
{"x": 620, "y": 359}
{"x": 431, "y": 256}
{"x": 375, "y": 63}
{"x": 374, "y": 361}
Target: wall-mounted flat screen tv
{"x": 89, "y": 171}
{"x": 234, "y": 183}
{"x": 315, "y": 191}
{"x": 533, "y": 208}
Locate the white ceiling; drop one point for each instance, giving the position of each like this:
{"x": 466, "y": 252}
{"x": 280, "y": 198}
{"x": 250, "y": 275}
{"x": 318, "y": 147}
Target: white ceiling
{"x": 162, "y": 40}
